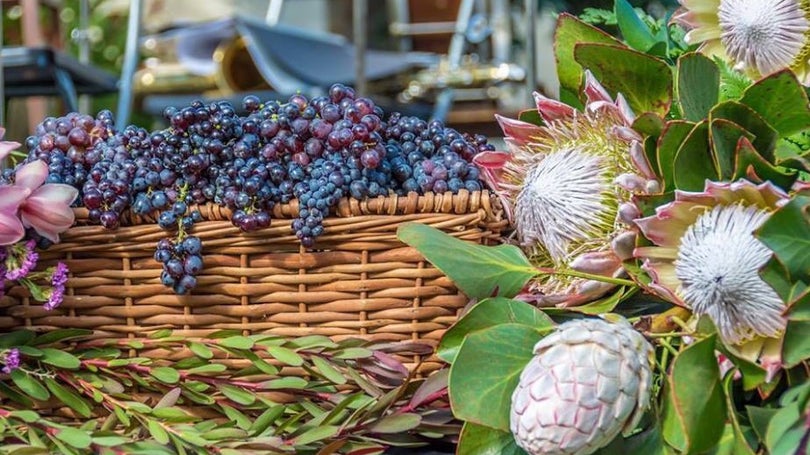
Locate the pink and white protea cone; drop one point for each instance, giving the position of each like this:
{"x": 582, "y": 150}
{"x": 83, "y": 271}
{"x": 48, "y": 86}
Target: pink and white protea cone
{"x": 758, "y": 36}
{"x": 566, "y": 186}
{"x": 706, "y": 258}
{"x": 588, "y": 381}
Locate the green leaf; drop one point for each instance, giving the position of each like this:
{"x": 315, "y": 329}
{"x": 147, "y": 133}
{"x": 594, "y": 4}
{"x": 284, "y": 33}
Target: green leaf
{"x": 218, "y": 434}
{"x": 328, "y": 370}
{"x": 698, "y": 85}
{"x": 16, "y": 338}
{"x": 647, "y": 442}
{"x": 397, "y": 423}
{"x": 569, "y": 32}
{"x": 478, "y": 271}
{"x": 68, "y": 397}
{"x": 288, "y": 382}
{"x": 787, "y": 234}
{"x": 760, "y": 418}
{"x": 266, "y": 419}
{"x": 158, "y": 432}
{"x": 645, "y": 81}
{"x": 54, "y": 336}
{"x": 675, "y": 132}
{"x": 208, "y": 369}
{"x": 316, "y": 434}
{"x": 200, "y": 350}
{"x": 634, "y": 30}
{"x": 60, "y": 359}
{"x": 486, "y": 372}
{"x": 694, "y": 163}
{"x": 649, "y": 124}
{"x": 765, "y": 136}
{"x": 752, "y": 166}
{"x": 29, "y": 385}
{"x": 166, "y": 375}
{"x": 780, "y": 423}
{"x": 237, "y": 342}
{"x": 796, "y": 344}
{"x": 25, "y": 415}
{"x": 237, "y": 395}
{"x": 488, "y": 313}
{"x": 109, "y": 440}
{"x": 531, "y": 116}
{"x": 725, "y": 137}
{"x": 241, "y": 420}
{"x": 694, "y": 417}
{"x": 74, "y": 437}
{"x": 285, "y": 355}
{"x": 740, "y": 445}
{"x": 781, "y": 101}
{"x": 481, "y": 440}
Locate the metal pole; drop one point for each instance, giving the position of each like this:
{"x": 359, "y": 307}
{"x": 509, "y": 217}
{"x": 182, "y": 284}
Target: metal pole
{"x": 83, "y": 40}
{"x": 359, "y": 17}
{"x": 531, "y": 45}
{"x": 2, "y": 76}
{"x": 130, "y": 63}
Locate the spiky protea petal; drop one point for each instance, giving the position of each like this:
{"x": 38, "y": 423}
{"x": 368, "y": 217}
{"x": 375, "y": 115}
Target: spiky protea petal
{"x": 761, "y": 36}
{"x": 563, "y": 184}
{"x": 707, "y": 258}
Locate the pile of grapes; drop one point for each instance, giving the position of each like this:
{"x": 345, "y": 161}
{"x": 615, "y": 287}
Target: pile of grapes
{"x": 315, "y": 150}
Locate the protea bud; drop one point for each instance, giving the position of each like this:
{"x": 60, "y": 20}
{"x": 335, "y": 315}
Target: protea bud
{"x": 588, "y": 381}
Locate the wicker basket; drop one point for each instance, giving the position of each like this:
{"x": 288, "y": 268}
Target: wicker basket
{"x": 359, "y": 282}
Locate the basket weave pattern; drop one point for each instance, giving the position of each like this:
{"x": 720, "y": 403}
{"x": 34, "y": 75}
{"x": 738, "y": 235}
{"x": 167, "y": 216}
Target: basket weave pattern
{"x": 360, "y": 281}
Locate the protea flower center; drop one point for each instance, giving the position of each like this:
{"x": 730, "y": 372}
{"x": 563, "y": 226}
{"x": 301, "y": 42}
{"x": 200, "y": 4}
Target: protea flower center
{"x": 567, "y": 199}
{"x": 764, "y": 34}
{"x": 718, "y": 265}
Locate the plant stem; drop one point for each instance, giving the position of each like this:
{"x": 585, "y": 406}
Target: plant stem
{"x": 587, "y": 276}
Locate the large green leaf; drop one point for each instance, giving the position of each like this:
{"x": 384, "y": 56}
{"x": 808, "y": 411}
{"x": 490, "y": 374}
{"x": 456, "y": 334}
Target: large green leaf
{"x": 698, "y": 85}
{"x": 796, "y": 344}
{"x": 569, "y": 32}
{"x": 765, "y": 136}
{"x": 781, "y": 100}
{"x": 645, "y": 81}
{"x": 675, "y": 132}
{"x": 481, "y": 440}
{"x": 648, "y": 442}
{"x": 694, "y": 163}
{"x": 634, "y": 30}
{"x": 479, "y": 271}
{"x": 486, "y": 371}
{"x": 694, "y": 410}
{"x": 488, "y": 313}
{"x": 787, "y": 234}
{"x": 724, "y": 136}
{"x": 752, "y": 166}
{"x": 739, "y": 446}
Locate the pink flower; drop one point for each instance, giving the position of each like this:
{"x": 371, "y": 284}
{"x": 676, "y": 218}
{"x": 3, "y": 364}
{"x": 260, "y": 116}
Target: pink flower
{"x": 11, "y": 229}
{"x": 47, "y": 207}
{"x": 5, "y": 146}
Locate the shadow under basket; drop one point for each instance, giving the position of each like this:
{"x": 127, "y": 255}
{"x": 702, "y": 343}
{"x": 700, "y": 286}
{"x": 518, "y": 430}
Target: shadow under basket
{"x": 358, "y": 282}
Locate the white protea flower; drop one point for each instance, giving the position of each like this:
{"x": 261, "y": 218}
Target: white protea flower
{"x": 759, "y": 36}
{"x": 567, "y": 188}
{"x": 707, "y": 259}
{"x": 588, "y": 381}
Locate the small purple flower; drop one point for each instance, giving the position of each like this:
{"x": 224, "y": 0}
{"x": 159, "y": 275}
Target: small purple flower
{"x": 29, "y": 261}
{"x": 58, "y": 279}
{"x": 11, "y": 360}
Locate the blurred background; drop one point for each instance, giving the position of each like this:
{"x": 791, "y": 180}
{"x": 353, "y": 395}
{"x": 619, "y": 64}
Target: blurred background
{"x": 457, "y": 60}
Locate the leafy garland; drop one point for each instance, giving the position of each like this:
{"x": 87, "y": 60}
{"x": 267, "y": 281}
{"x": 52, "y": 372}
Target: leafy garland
{"x": 74, "y": 394}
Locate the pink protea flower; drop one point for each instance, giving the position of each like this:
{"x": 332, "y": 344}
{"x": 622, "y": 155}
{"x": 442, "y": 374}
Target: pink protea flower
{"x": 567, "y": 187}
{"x": 46, "y": 208}
{"x": 759, "y": 36}
{"x": 706, "y": 258}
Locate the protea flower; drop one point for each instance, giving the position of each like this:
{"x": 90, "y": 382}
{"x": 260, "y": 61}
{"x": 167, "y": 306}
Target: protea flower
{"x": 588, "y": 381}
{"x": 567, "y": 186}
{"x": 759, "y": 36}
{"x": 6, "y": 147}
{"x": 47, "y": 207}
{"x": 707, "y": 259}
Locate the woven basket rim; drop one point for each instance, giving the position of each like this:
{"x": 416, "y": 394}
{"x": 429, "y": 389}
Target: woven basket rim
{"x": 446, "y": 203}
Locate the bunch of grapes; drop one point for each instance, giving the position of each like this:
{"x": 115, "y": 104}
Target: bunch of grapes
{"x": 317, "y": 151}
